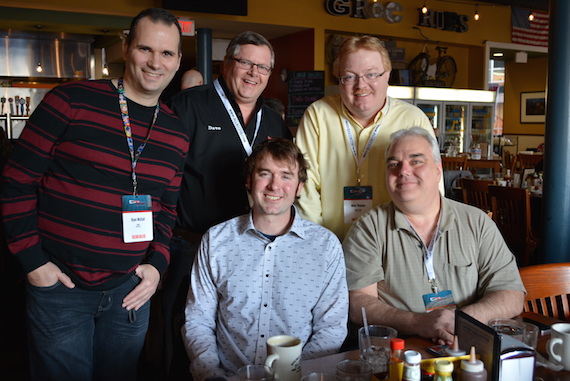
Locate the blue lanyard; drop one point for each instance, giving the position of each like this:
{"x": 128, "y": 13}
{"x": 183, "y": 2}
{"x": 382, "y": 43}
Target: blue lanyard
{"x": 129, "y": 134}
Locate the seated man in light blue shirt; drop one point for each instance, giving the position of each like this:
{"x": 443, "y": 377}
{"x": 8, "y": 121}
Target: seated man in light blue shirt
{"x": 265, "y": 273}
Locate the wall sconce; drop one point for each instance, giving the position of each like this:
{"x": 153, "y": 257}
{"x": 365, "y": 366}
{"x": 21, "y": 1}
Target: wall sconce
{"x": 476, "y": 15}
{"x": 531, "y": 16}
{"x": 424, "y": 8}
{"x": 39, "y": 67}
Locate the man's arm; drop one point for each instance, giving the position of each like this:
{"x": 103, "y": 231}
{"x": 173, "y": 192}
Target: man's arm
{"x": 497, "y": 304}
{"x": 30, "y": 160}
{"x": 437, "y": 325}
{"x": 307, "y": 139}
{"x": 330, "y": 315}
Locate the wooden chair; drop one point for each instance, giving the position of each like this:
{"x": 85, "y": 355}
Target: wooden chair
{"x": 511, "y": 213}
{"x": 548, "y": 289}
{"x": 528, "y": 161}
{"x": 476, "y": 193}
{"x": 509, "y": 161}
{"x": 458, "y": 163}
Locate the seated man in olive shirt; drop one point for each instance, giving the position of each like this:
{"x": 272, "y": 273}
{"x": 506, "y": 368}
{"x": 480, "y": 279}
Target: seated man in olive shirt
{"x": 424, "y": 253}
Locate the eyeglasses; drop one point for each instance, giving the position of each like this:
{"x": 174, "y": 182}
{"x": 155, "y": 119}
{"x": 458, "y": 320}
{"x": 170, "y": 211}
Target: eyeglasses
{"x": 247, "y": 65}
{"x": 368, "y": 78}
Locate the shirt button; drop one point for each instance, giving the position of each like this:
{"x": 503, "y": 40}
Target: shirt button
{"x": 265, "y": 305}
{"x": 267, "y": 275}
{"x": 262, "y": 336}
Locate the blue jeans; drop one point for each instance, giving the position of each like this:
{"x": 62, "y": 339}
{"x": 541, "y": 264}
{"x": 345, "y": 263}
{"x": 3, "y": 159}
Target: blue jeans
{"x": 83, "y": 335}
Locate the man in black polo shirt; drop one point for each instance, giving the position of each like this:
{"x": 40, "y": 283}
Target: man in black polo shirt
{"x": 225, "y": 120}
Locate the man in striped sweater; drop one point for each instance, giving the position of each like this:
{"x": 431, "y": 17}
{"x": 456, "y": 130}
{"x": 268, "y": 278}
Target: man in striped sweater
{"x": 88, "y": 202}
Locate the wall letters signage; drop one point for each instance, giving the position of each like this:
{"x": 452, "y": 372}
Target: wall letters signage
{"x": 364, "y": 9}
{"x": 443, "y": 20}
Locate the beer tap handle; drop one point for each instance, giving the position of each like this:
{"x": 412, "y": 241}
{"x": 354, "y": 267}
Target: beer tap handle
{"x": 3, "y": 101}
{"x": 11, "y": 102}
{"x": 28, "y": 105}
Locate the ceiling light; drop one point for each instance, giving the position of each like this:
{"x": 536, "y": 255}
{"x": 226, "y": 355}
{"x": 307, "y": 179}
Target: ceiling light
{"x": 498, "y": 54}
{"x": 39, "y": 67}
{"x": 531, "y": 16}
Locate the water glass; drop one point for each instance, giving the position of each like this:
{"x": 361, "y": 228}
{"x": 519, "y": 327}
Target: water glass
{"x": 375, "y": 348}
{"x": 317, "y": 376}
{"x": 354, "y": 370}
{"x": 508, "y": 327}
{"x": 255, "y": 373}
{"x": 530, "y": 335}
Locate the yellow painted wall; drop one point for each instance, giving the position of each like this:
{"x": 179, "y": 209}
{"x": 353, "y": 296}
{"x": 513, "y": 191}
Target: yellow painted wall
{"x": 528, "y": 77}
{"x": 466, "y": 48}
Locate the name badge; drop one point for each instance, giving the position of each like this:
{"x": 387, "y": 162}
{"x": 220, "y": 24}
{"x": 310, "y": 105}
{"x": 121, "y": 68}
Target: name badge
{"x": 137, "y": 218}
{"x": 357, "y": 201}
{"x": 443, "y": 299}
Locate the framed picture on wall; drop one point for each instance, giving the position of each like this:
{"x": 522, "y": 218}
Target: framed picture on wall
{"x": 533, "y": 107}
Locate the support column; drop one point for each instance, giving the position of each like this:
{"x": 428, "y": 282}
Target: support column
{"x": 204, "y": 53}
{"x": 556, "y": 203}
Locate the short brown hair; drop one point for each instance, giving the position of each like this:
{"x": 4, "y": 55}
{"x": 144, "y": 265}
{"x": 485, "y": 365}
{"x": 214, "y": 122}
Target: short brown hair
{"x": 247, "y": 38}
{"x": 281, "y": 150}
{"x": 156, "y": 15}
{"x": 355, "y": 43}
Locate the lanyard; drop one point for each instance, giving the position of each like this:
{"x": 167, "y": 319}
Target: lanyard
{"x": 129, "y": 134}
{"x": 235, "y": 120}
{"x": 368, "y": 146}
{"x": 427, "y": 252}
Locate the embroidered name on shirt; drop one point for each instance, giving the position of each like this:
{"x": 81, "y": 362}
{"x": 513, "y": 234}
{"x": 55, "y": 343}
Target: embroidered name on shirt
{"x": 214, "y": 128}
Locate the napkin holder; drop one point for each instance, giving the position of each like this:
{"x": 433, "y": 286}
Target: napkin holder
{"x": 505, "y": 357}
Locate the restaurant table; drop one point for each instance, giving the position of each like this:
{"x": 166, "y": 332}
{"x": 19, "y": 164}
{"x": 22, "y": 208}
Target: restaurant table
{"x": 494, "y": 164}
{"x": 327, "y": 364}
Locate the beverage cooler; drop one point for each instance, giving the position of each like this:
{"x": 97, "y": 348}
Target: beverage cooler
{"x": 462, "y": 119}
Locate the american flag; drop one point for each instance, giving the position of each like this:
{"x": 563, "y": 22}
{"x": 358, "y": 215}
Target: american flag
{"x": 529, "y": 32}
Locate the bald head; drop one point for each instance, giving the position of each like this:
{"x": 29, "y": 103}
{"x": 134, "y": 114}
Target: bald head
{"x": 190, "y": 79}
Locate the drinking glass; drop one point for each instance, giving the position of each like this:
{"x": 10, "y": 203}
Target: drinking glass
{"x": 375, "y": 348}
{"x": 255, "y": 373}
{"x": 530, "y": 337}
{"x": 509, "y": 327}
{"x": 354, "y": 370}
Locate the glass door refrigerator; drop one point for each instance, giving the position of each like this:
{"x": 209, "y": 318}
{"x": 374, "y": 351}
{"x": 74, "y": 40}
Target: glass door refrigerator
{"x": 455, "y": 123}
{"x": 461, "y": 118}
{"x": 482, "y": 117}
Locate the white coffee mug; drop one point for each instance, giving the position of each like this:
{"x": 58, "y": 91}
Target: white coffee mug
{"x": 284, "y": 356}
{"x": 558, "y": 347}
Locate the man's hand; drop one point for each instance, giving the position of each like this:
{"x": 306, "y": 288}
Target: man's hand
{"x": 147, "y": 287}
{"x": 47, "y": 275}
{"x": 438, "y": 325}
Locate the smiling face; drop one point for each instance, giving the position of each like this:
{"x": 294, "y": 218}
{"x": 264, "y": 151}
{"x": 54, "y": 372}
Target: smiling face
{"x": 151, "y": 60}
{"x": 274, "y": 186}
{"x": 412, "y": 174}
{"x": 363, "y": 99}
{"x": 247, "y": 85}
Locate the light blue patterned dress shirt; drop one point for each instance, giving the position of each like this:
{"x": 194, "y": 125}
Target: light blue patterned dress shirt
{"x": 246, "y": 288}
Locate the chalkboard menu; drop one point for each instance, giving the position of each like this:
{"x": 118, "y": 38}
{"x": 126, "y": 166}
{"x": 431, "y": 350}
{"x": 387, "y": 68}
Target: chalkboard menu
{"x": 305, "y": 87}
